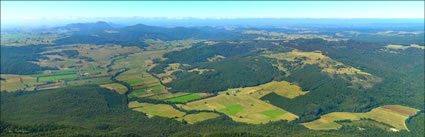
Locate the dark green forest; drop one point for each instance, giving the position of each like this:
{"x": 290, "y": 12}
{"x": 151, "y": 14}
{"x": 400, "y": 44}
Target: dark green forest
{"x": 250, "y": 71}
{"x": 94, "y": 111}
{"x": 16, "y": 60}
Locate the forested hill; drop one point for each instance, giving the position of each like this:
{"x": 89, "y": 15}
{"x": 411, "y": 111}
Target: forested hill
{"x": 102, "y": 32}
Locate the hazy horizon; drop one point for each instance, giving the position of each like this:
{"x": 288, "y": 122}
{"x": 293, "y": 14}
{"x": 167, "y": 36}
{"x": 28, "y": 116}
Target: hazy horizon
{"x": 45, "y": 13}
{"x": 190, "y": 22}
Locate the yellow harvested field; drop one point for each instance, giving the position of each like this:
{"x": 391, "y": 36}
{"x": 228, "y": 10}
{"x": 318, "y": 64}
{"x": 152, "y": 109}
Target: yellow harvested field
{"x": 242, "y": 105}
{"x": 198, "y": 117}
{"x": 162, "y": 110}
{"x": 394, "y": 115}
{"x": 18, "y": 82}
{"x": 134, "y": 104}
{"x": 119, "y": 88}
{"x": 327, "y": 122}
{"x": 282, "y": 88}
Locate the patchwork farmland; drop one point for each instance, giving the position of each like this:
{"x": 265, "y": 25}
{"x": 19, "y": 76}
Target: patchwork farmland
{"x": 242, "y": 106}
{"x": 394, "y": 115}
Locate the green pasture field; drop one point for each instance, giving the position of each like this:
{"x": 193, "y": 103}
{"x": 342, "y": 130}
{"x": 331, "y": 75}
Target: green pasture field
{"x": 185, "y": 98}
{"x": 146, "y": 91}
{"x": 134, "y": 82}
{"x": 273, "y": 113}
{"x": 155, "y": 88}
{"x": 57, "y": 77}
{"x": 93, "y": 81}
{"x": 232, "y": 110}
{"x": 93, "y": 70}
{"x": 138, "y": 92}
{"x": 57, "y": 72}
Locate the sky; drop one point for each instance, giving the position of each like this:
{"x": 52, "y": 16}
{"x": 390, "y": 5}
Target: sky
{"x": 39, "y": 11}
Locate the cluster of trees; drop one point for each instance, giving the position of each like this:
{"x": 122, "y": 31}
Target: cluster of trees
{"x": 17, "y": 60}
{"x": 241, "y": 67}
{"x": 201, "y": 52}
{"x": 229, "y": 73}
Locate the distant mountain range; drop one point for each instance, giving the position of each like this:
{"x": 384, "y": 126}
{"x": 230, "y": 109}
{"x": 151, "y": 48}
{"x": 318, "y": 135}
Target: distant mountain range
{"x": 102, "y": 32}
{"x": 239, "y": 22}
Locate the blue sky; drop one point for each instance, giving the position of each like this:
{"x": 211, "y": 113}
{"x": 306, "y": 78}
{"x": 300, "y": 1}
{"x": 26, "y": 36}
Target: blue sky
{"x": 19, "y": 12}
{"x": 212, "y": 9}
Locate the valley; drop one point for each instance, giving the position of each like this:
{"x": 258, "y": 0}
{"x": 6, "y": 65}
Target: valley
{"x": 279, "y": 80}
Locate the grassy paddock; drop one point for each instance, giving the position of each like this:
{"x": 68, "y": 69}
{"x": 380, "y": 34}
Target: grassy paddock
{"x": 282, "y": 88}
{"x": 185, "y": 98}
{"x": 134, "y": 82}
{"x": 394, "y": 115}
{"x": 57, "y": 77}
{"x": 17, "y": 82}
{"x": 162, "y": 110}
{"x": 58, "y": 72}
{"x": 198, "y": 117}
{"x": 232, "y": 110}
{"x": 273, "y": 113}
{"x": 119, "y": 88}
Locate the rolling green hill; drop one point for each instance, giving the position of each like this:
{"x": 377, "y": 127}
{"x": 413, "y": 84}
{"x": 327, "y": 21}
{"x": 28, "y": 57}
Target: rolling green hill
{"x": 139, "y": 80}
